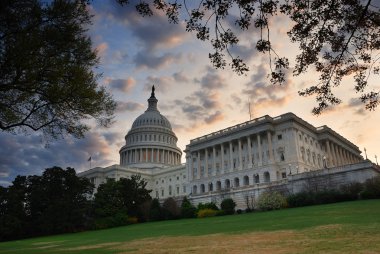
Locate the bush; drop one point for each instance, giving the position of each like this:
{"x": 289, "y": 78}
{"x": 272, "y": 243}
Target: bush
{"x": 171, "y": 209}
{"x": 301, "y": 199}
{"x": 187, "y": 209}
{"x": 119, "y": 219}
{"x": 228, "y": 206}
{"x": 155, "y": 212}
{"x": 132, "y": 220}
{"x": 239, "y": 211}
{"x": 371, "y": 188}
{"x": 210, "y": 205}
{"x": 271, "y": 201}
{"x": 203, "y": 213}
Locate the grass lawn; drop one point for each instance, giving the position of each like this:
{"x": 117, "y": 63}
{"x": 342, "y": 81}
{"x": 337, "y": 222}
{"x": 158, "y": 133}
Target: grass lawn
{"x": 349, "y": 227}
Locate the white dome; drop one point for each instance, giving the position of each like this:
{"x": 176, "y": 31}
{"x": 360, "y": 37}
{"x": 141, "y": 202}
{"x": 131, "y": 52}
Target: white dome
{"x": 150, "y": 142}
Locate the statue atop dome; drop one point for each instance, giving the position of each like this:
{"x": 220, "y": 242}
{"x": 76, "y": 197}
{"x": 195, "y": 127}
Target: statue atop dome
{"x": 152, "y": 101}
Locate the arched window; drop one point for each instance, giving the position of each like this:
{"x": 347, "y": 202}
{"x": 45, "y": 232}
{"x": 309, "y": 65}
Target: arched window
{"x": 246, "y": 180}
{"x": 195, "y": 189}
{"x": 202, "y": 188}
{"x": 266, "y": 177}
{"x": 236, "y": 182}
{"x": 227, "y": 184}
{"x": 218, "y": 185}
{"x": 210, "y": 187}
{"x": 257, "y": 178}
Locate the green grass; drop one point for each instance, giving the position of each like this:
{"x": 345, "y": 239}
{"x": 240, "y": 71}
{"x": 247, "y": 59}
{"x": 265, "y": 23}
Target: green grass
{"x": 362, "y": 217}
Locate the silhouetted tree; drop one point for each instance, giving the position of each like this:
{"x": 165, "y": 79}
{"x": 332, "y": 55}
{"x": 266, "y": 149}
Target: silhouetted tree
{"x": 171, "y": 209}
{"x": 56, "y": 202}
{"x": 187, "y": 209}
{"x": 47, "y": 82}
{"x": 338, "y": 38}
{"x": 116, "y": 200}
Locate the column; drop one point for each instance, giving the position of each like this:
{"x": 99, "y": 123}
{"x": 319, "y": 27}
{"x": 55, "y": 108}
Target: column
{"x": 341, "y": 155}
{"x": 222, "y": 158}
{"x": 214, "y": 160}
{"x": 158, "y": 155}
{"x": 240, "y": 155}
{"x": 329, "y": 154}
{"x": 206, "y": 163}
{"x": 271, "y": 156}
{"x": 191, "y": 164}
{"x": 141, "y": 155}
{"x": 199, "y": 166}
{"x": 152, "y": 155}
{"x": 335, "y": 154}
{"x": 249, "y": 152}
{"x": 231, "y": 158}
{"x": 260, "y": 163}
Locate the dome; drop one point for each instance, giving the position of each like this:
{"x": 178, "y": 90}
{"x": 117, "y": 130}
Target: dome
{"x": 151, "y": 118}
{"x": 150, "y": 142}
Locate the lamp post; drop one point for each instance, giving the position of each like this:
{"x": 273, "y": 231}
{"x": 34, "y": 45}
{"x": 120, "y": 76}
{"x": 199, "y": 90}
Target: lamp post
{"x": 365, "y": 151}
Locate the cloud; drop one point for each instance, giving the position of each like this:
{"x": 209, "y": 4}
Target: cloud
{"x": 124, "y": 85}
{"x": 28, "y": 155}
{"x": 216, "y": 117}
{"x": 163, "y": 83}
{"x": 212, "y": 80}
{"x": 152, "y": 61}
{"x": 101, "y": 49}
{"x": 180, "y": 77}
{"x": 128, "y": 106}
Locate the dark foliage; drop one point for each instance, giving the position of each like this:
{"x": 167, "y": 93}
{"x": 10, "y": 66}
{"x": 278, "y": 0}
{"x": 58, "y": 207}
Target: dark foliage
{"x": 56, "y": 202}
{"x": 228, "y": 206}
{"x": 171, "y": 210}
{"x": 122, "y": 198}
{"x": 156, "y": 212}
{"x": 371, "y": 188}
{"x": 210, "y": 205}
{"x": 337, "y": 38}
{"x": 187, "y": 209}
{"x": 47, "y": 82}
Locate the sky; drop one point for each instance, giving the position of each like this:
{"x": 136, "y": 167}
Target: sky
{"x": 137, "y": 52}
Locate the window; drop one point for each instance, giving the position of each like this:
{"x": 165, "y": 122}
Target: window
{"x": 177, "y": 178}
{"x": 184, "y": 189}
{"x": 283, "y": 175}
{"x": 162, "y": 180}
{"x": 177, "y": 190}
{"x": 279, "y": 137}
{"x": 282, "y": 157}
{"x": 162, "y": 193}
{"x": 156, "y": 194}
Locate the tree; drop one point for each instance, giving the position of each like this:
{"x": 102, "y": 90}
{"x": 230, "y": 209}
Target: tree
{"x": 47, "y": 82}
{"x": 187, "y": 209}
{"x": 228, "y": 206}
{"x": 338, "y": 38}
{"x": 171, "y": 209}
{"x": 56, "y": 202}
{"x": 115, "y": 200}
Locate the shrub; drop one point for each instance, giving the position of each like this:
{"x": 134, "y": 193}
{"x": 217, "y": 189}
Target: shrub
{"x": 210, "y": 205}
{"x": 301, "y": 199}
{"x": 271, "y": 201}
{"x": 228, "y": 206}
{"x": 171, "y": 209}
{"x": 119, "y": 219}
{"x": 239, "y": 211}
{"x": 207, "y": 212}
{"x": 155, "y": 212}
{"x": 187, "y": 209}
{"x": 132, "y": 220}
{"x": 371, "y": 188}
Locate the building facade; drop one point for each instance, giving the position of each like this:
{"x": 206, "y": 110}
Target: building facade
{"x": 238, "y": 162}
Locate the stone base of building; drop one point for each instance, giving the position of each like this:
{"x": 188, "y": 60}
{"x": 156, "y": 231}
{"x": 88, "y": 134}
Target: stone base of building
{"x": 316, "y": 180}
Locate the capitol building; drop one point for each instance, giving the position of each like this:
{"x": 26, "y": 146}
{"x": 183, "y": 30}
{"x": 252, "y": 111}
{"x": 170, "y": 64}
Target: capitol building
{"x": 282, "y": 153}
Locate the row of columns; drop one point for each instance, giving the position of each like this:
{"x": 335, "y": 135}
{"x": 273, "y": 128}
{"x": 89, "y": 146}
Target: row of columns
{"x": 338, "y": 156}
{"x": 231, "y": 156}
{"x": 151, "y": 155}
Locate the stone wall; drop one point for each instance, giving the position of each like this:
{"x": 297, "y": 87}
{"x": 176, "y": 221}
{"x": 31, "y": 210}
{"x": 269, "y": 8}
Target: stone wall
{"x": 327, "y": 178}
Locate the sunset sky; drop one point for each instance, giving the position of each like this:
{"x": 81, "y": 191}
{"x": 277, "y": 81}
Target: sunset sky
{"x": 137, "y": 52}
